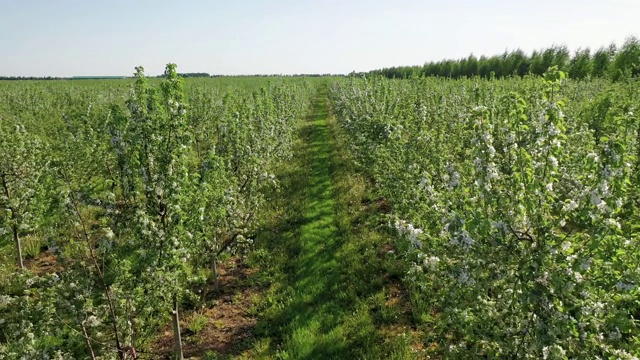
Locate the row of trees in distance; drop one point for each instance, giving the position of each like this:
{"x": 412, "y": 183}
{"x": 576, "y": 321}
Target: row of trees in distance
{"x": 610, "y": 61}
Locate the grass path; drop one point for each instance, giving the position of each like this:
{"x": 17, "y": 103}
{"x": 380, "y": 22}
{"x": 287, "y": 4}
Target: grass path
{"x": 317, "y": 325}
{"x": 328, "y": 282}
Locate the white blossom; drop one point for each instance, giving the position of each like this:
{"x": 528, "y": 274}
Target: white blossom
{"x": 92, "y": 321}
{"x": 593, "y": 156}
{"x": 553, "y": 130}
{"x": 553, "y": 352}
{"x": 464, "y": 278}
{"x": 622, "y": 286}
{"x": 595, "y": 198}
{"x": 491, "y": 150}
{"x": 5, "y": 300}
{"x": 411, "y": 232}
{"x": 615, "y": 335}
{"x": 612, "y": 222}
{"x": 492, "y": 171}
{"x": 455, "y": 179}
{"x": 431, "y": 262}
{"x": 463, "y": 239}
{"x": 572, "y": 205}
{"x": 604, "y": 190}
{"x": 423, "y": 182}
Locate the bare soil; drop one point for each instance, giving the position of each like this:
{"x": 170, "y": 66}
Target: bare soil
{"x": 228, "y": 322}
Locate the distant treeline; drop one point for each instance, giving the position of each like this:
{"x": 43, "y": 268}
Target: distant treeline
{"x": 31, "y": 78}
{"x": 605, "y": 62}
{"x": 185, "y": 75}
{"x": 290, "y": 75}
{"x": 196, "y": 75}
{"x": 61, "y": 78}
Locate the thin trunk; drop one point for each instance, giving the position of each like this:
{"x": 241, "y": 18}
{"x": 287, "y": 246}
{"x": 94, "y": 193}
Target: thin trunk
{"x": 176, "y": 330}
{"x": 86, "y": 338}
{"x": 16, "y": 239}
{"x": 105, "y": 286}
{"x": 132, "y": 330}
{"x": 114, "y": 319}
{"x": 214, "y": 270}
{"x": 14, "y": 227}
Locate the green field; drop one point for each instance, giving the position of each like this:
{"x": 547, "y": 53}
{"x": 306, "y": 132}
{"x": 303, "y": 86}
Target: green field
{"x": 354, "y": 217}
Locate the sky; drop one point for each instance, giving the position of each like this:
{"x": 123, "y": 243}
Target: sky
{"x": 96, "y": 37}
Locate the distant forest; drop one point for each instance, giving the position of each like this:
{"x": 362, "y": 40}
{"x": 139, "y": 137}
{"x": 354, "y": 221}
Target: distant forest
{"x": 611, "y": 61}
{"x": 184, "y": 75}
{"x": 31, "y": 78}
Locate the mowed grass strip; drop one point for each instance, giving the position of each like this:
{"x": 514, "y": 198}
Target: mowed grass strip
{"x": 328, "y": 284}
{"x": 317, "y": 326}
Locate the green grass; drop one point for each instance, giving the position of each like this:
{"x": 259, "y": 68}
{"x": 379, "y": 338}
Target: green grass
{"x": 326, "y": 298}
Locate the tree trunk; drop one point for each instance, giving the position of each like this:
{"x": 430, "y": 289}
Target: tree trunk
{"x": 176, "y": 330}
{"x": 88, "y": 341}
{"x": 14, "y": 227}
{"x": 16, "y": 239}
{"x": 214, "y": 270}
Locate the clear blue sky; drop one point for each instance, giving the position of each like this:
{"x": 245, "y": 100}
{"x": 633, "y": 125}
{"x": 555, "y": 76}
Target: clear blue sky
{"x": 97, "y": 37}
